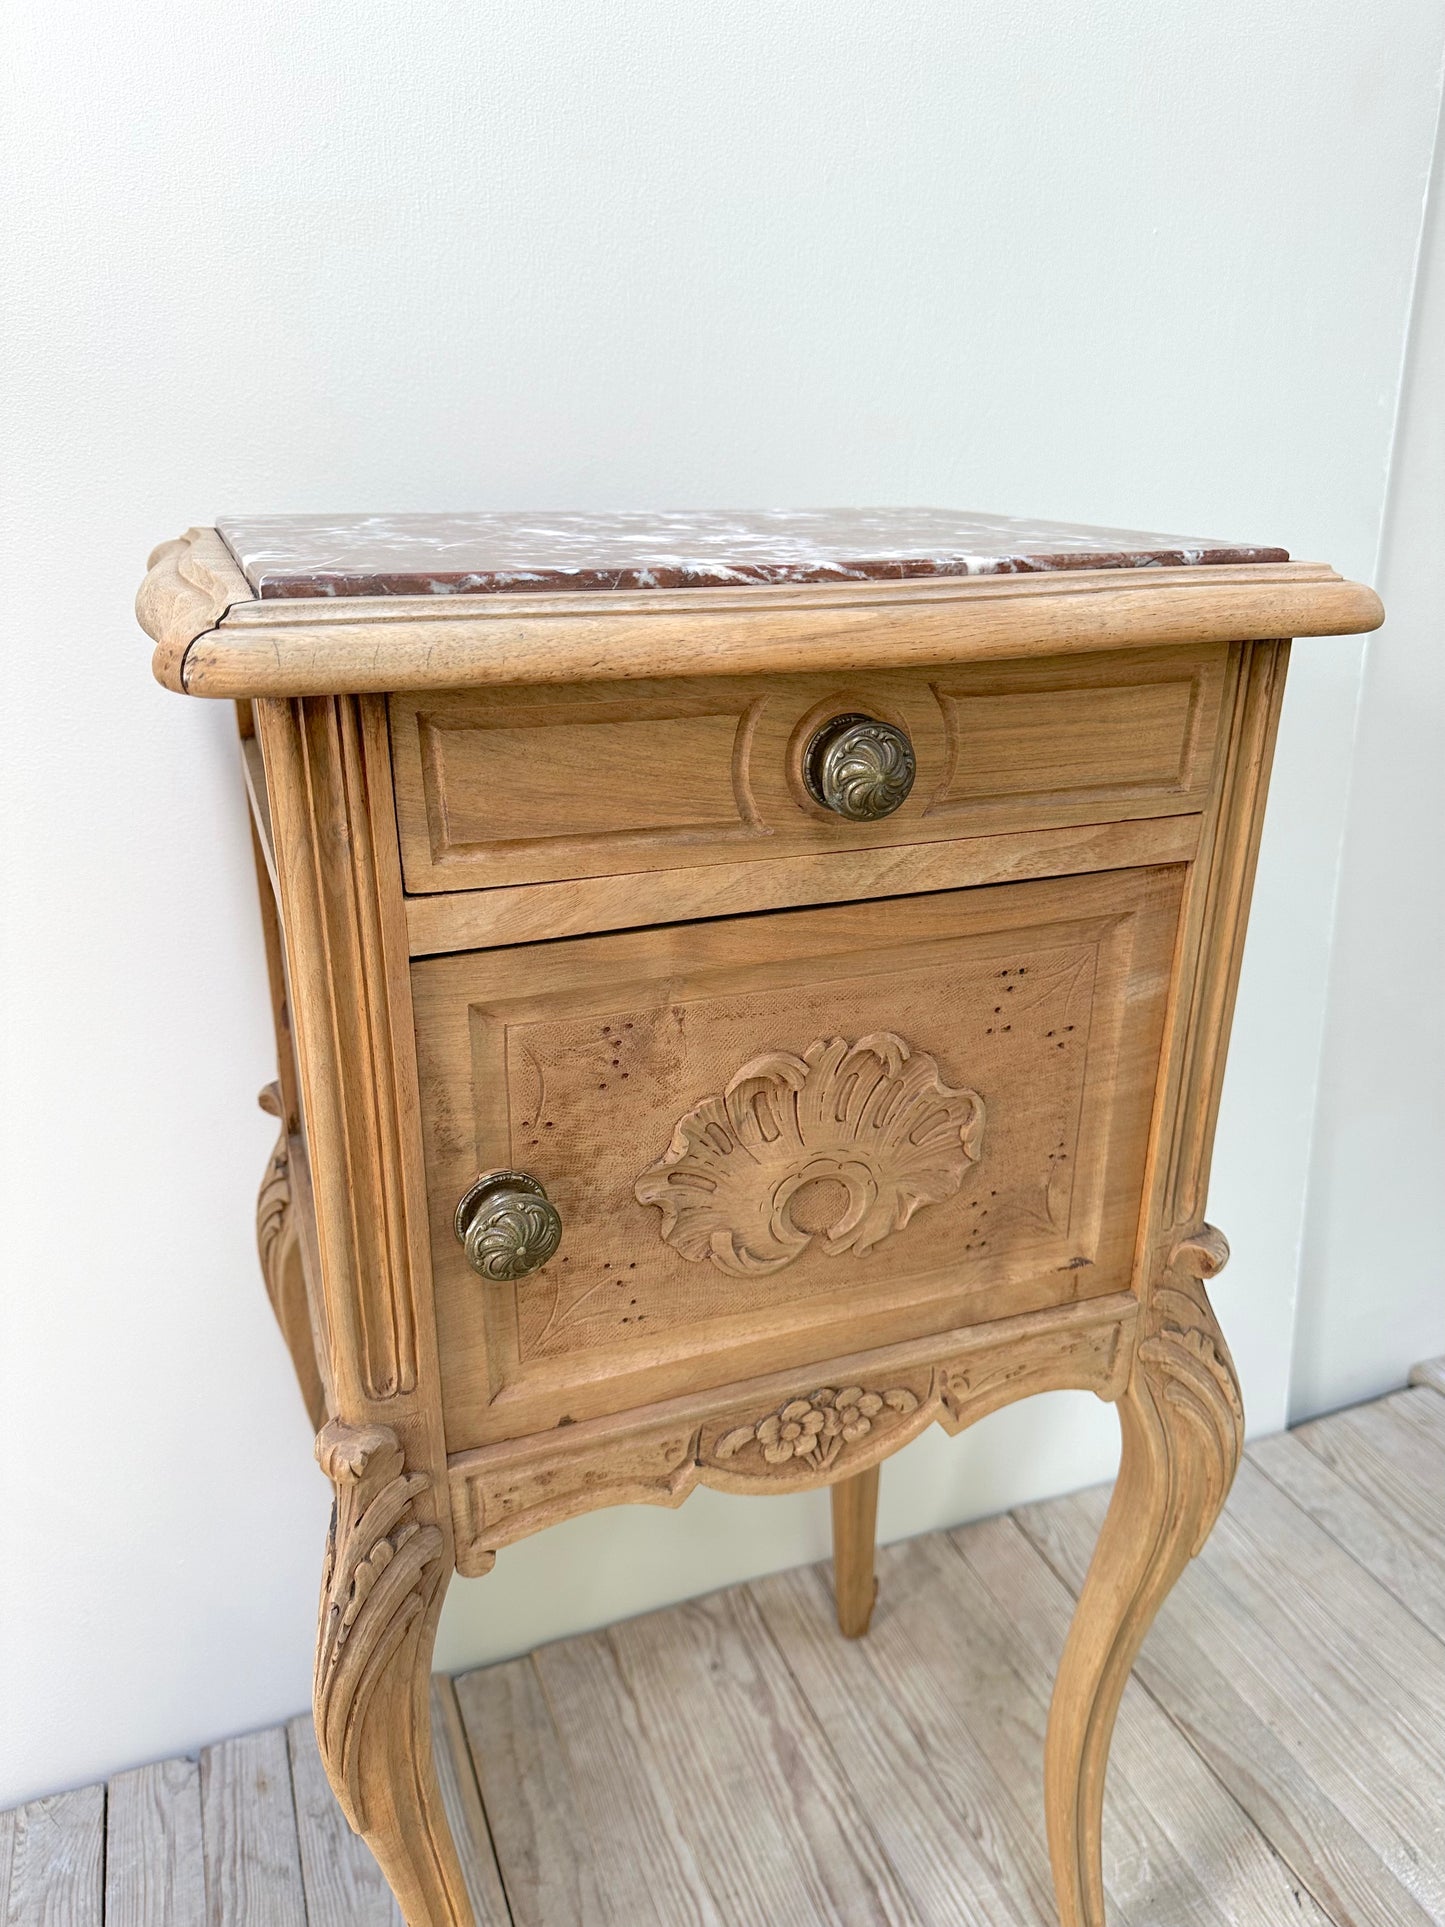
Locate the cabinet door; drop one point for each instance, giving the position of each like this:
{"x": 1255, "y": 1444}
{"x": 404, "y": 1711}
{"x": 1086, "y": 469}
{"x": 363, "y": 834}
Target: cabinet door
{"x": 781, "y": 1138}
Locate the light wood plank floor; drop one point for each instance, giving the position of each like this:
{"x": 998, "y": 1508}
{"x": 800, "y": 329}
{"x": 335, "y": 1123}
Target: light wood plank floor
{"x": 1280, "y": 1755}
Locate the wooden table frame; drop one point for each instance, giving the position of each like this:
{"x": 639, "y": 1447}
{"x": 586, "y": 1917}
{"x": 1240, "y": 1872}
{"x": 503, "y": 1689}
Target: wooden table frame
{"x": 342, "y": 1219}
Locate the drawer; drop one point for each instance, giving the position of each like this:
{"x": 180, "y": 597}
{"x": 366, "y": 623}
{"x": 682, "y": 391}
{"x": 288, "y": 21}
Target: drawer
{"x": 511, "y": 786}
{"x": 774, "y": 1140}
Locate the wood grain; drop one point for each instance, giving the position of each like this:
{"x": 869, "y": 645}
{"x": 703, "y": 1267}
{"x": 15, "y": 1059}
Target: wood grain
{"x": 576, "y": 1062}
{"x": 642, "y": 1851}
{"x": 775, "y": 1831}
{"x": 514, "y": 786}
{"x": 950, "y": 1789}
{"x": 1271, "y": 1722}
{"x": 1392, "y": 1452}
{"x": 328, "y": 780}
{"x": 544, "y": 1850}
{"x": 462, "y": 1801}
{"x": 658, "y": 1454}
{"x": 155, "y": 1873}
{"x": 826, "y": 1174}
{"x": 1175, "y": 1839}
{"x": 253, "y": 1860}
{"x": 1387, "y": 1539}
{"x": 410, "y": 643}
{"x": 1430, "y": 1372}
{"x": 190, "y": 584}
{"x": 855, "y": 1524}
{"x": 485, "y": 919}
{"x": 344, "y": 1886}
{"x": 57, "y": 1850}
{"x": 9, "y": 1821}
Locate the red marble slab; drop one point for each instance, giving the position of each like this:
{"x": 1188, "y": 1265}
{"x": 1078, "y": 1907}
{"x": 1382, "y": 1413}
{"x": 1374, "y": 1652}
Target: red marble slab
{"x": 546, "y": 551}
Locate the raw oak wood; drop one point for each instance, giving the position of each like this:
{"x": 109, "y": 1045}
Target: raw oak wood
{"x": 155, "y": 1873}
{"x": 936, "y": 1723}
{"x": 516, "y": 786}
{"x": 1430, "y": 1372}
{"x": 381, "y": 644}
{"x": 190, "y": 584}
{"x": 851, "y": 1127}
{"x": 389, "y": 1553}
{"x": 1175, "y": 1837}
{"x": 855, "y": 1525}
{"x": 56, "y": 1861}
{"x": 344, "y": 1885}
{"x": 1282, "y": 1727}
{"x": 582, "y": 1060}
{"x": 661, "y": 1453}
{"x": 485, "y": 919}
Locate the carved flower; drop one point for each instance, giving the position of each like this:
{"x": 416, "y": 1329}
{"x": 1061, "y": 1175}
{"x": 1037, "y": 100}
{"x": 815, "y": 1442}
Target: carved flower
{"x": 870, "y": 1129}
{"x": 793, "y": 1431}
{"x": 816, "y": 1428}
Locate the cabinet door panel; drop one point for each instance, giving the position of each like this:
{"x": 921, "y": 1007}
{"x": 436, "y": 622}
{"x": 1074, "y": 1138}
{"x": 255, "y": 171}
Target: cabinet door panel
{"x": 779, "y": 1138}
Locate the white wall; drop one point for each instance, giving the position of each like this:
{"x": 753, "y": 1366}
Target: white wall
{"x": 1113, "y": 262}
{"x": 1372, "y": 1297}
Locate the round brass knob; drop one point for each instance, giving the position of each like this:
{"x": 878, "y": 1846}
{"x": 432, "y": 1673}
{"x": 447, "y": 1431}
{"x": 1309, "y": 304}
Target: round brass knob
{"x": 859, "y": 768}
{"x": 507, "y": 1225}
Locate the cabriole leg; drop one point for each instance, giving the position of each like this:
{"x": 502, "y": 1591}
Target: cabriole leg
{"x": 855, "y": 1519}
{"x": 381, "y": 1596}
{"x": 1183, "y": 1431}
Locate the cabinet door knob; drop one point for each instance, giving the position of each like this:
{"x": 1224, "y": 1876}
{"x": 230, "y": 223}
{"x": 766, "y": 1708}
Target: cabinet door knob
{"x": 859, "y": 768}
{"x": 507, "y": 1225}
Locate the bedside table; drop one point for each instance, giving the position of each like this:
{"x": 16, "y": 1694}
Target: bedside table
{"x": 747, "y": 988}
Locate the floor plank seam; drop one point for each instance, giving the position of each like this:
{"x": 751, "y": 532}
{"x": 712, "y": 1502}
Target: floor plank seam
{"x": 1390, "y": 1526}
{"x": 1297, "y": 1878}
{"x": 491, "y": 1840}
{"x": 839, "y": 1763}
{"x": 1303, "y": 1765}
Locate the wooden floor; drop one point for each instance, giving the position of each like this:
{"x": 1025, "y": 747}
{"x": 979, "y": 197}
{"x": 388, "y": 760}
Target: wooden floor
{"x": 1280, "y": 1755}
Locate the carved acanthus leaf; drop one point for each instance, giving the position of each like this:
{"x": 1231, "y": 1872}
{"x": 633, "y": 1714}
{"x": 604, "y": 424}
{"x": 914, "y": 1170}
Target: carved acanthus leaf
{"x": 273, "y": 1219}
{"x": 377, "y": 1581}
{"x": 1183, "y": 1355}
{"x": 870, "y": 1123}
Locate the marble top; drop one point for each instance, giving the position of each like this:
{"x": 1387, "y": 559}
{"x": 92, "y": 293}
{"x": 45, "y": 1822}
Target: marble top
{"x": 547, "y": 551}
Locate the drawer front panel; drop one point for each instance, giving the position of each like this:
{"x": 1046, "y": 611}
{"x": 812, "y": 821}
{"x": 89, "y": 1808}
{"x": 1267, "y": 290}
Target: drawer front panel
{"x": 535, "y": 785}
{"x": 774, "y": 1140}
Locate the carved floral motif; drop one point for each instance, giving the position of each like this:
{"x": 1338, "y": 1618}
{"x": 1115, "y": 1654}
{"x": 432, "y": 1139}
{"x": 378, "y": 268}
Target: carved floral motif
{"x": 873, "y": 1118}
{"x": 817, "y": 1428}
{"x": 374, "y": 1588}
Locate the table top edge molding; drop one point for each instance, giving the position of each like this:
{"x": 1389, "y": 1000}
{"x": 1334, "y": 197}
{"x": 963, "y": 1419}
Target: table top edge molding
{"x": 215, "y": 639}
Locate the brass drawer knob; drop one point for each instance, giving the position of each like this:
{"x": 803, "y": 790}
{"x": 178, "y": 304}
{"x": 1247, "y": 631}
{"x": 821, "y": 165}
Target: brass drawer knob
{"x": 859, "y": 768}
{"x": 507, "y": 1225}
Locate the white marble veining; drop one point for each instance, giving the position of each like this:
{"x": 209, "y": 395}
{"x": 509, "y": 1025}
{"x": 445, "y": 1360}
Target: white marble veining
{"x": 480, "y": 553}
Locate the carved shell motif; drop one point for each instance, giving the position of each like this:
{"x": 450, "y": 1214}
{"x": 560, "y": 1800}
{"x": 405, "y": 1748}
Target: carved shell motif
{"x": 870, "y": 1128}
